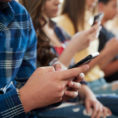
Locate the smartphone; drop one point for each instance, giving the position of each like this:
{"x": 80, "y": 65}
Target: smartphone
{"x": 85, "y": 60}
{"x": 98, "y": 18}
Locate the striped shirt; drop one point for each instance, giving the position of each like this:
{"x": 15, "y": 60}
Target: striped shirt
{"x": 17, "y": 56}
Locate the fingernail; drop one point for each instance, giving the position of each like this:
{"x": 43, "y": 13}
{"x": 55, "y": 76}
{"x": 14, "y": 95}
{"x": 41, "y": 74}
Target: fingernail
{"x": 79, "y": 84}
{"x": 109, "y": 114}
{"x": 82, "y": 75}
{"x": 75, "y": 93}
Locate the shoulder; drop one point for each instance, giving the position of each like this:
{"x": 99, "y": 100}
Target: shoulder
{"x": 19, "y": 10}
{"x": 65, "y": 22}
{"x": 62, "y": 18}
{"x": 22, "y": 16}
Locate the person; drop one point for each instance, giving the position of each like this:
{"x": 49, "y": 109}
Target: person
{"x": 47, "y": 11}
{"x": 112, "y": 25}
{"x": 109, "y": 8}
{"x": 21, "y": 84}
{"x": 79, "y": 18}
{"x": 78, "y": 42}
{"x": 95, "y": 75}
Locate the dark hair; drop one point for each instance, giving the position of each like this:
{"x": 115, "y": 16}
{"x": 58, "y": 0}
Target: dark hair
{"x": 103, "y": 1}
{"x": 75, "y": 9}
{"x": 44, "y": 54}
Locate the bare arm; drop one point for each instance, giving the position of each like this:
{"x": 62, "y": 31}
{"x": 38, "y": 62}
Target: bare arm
{"x": 78, "y": 42}
{"x": 111, "y": 68}
{"x": 106, "y": 55}
{"x": 43, "y": 82}
{"x": 85, "y": 91}
{"x": 91, "y": 103}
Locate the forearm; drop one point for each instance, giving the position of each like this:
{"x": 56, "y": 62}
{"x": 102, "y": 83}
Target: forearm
{"x": 70, "y": 51}
{"x": 103, "y": 59}
{"x": 85, "y": 91}
{"x": 111, "y": 68}
{"x": 67, "y": 56}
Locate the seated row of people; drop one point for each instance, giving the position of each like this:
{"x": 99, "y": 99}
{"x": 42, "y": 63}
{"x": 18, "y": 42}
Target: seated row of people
{"x": 22, "y": 92}
{"x": 53, "y": 42}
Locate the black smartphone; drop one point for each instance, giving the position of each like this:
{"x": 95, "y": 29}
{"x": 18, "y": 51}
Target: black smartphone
{"x": 98, "y": 18}
{"x": 85, "y": 60}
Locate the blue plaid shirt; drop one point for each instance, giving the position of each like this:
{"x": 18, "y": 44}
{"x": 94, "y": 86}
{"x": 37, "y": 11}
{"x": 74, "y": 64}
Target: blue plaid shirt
{"x": 17, "y": 56}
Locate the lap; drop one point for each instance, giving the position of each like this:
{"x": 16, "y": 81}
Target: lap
{"x": 78, "y": 110}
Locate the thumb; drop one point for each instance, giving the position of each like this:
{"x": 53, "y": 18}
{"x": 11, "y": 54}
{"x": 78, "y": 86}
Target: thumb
{"x": 57, "y": 67}
{"x": 92, "y": 29}
{"x": 87, "y": 104}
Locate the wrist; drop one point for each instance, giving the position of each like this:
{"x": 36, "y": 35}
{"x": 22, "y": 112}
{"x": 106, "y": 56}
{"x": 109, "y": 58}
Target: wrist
{"x": 23, "y": 96}
{"x": 88, "y": 92}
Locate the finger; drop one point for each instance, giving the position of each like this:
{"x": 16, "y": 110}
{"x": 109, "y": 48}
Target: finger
{"x": 109, "y": 113}
{"x": 57, "y": 67}
{"x": 88, "y": 108}
{"x": 99, "y": 113}
{"x": 106, "y": 112}
{"x": 92, "y": 29}
{"x": 44, "y": 70}
{"x": 95, "y": 110}
{"x": 80, "y": 77}
{"x": 96, "y": 26}
{"x": 71, "y": 73}
{"x": 74, "y": 85}
{"x": 71, "y": 94}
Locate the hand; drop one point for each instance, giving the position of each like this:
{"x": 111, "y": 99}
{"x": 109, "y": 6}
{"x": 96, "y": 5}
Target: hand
{"x": 46, "y": 87}
{"x": 71, "y": 90}
{"x": 82, "y": 39}
{"x": 98, "y": 110}
{"x": 72, "y": 86}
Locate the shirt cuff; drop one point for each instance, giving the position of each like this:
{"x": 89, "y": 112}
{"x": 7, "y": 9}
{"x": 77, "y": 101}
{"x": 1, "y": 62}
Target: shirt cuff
{"x": 10, "y": 104}
{"x": 83, "y": 82}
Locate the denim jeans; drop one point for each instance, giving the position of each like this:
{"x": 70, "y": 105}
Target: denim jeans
{"x": 78, "y": 110}
{"x": 100, "y": 86}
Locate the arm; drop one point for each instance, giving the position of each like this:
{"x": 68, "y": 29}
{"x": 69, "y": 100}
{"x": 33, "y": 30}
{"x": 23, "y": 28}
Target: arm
{"x": 45, "y": 81}
{"x": 111, "y": 68}
{"x": 10, "y": 105}
{"x": 106, "y": 55}
{"x": 85, "y": 91}
{"x": 78, "y": 42}
{"x": 93, "y": 106}
{"x": 28, "y": 65}
{"x": 32, "y": 95}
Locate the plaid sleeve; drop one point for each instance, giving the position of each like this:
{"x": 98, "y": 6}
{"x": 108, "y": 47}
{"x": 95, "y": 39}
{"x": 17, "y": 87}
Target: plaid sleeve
{"x": 10, "y": 105}
{"x": 28, "y": 65}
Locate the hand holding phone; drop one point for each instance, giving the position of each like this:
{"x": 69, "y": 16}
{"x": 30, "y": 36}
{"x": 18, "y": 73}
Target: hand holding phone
{"x": 85, "y": 60}
{"x": 98, "y": 18}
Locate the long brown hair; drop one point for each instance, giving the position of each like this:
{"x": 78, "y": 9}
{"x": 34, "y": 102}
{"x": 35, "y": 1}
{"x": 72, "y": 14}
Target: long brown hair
{"x": 75, "y": 9}
{"x": 44, "y": 54}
